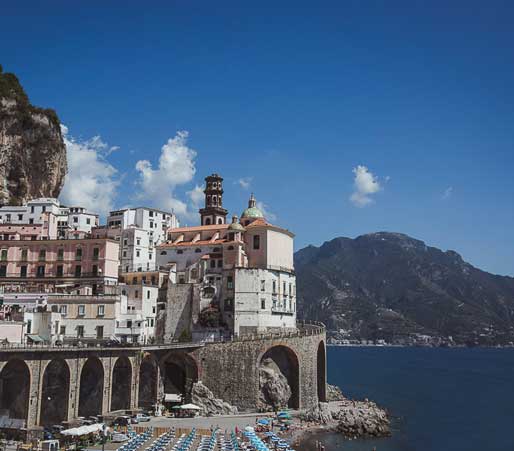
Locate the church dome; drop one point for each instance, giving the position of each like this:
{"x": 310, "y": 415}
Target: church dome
{"x": 252, "y": 211}
{"x": 236, "y": 227}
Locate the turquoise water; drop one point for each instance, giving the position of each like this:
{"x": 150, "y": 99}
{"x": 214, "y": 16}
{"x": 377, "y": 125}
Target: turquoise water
{"x": 440, "y": 399}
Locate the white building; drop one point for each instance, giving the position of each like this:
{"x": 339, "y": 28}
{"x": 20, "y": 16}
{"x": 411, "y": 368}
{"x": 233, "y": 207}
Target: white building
{"x": 140, "y": 230}
{"x": 70, "y": 220}
{"x": 238, "y": 277}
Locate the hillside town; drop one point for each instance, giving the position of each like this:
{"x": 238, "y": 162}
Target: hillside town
{"x": 140, "y": 278}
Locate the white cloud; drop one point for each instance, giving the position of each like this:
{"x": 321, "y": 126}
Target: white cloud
{"x": 176, "y": 167}
{"x": 265, "y": 211}
{"x": 365, "y": 184}
{"x": 197, "y": 196}
{"x": 245, "y": 182}
{"x": 447, "y": 193}
{"x": 91, "y": 181}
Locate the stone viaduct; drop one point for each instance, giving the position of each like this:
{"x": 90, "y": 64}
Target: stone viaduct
{"x": 41, "y": 386}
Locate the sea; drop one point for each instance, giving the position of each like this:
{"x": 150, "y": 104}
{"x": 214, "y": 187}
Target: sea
{"x": 440, "y": 399}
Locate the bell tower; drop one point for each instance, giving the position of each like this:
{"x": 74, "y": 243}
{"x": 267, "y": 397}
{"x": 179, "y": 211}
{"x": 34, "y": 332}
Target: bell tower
{"x": 213, "y": 211}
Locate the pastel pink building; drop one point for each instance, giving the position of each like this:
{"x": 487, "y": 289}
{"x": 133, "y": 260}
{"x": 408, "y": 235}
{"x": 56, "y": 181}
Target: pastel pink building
{"x": 44, "y": 265}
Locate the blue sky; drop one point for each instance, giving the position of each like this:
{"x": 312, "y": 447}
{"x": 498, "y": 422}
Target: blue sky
{"x": 293, "y": 97}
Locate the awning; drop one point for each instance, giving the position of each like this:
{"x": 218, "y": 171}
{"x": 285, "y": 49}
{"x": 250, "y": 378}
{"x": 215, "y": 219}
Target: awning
{"x": 189, "y": 407}
{"x": 36, "y": 338}
{"x": 172, "y": 397}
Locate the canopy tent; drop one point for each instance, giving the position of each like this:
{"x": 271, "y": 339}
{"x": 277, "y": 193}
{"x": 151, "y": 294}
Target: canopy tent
{"x": 187, "y": 407}
{"x": 172, "y": 397}
{"x": 84, "y": 430}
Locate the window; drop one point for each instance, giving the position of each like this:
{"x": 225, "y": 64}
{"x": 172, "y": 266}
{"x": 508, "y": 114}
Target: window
{"x": 125, "y": 242}
{"x": 129, "y": 323}
{"x": 63, "y": 310}
{"x": 263, "y": 304}
{"x": 3, "y": 255}
{"x": 274, "y": 286}
{"x": 29, "y": 326}
{"x": 78, "y": 253}
{"x": 284, "y": 289}
{"x": 213, "y": 263}
{"x": 220, "y": 263}
{"x": 82, "y": 310}
{"x": 256, "y": 241}
{"x": 80, "y": 331}
{"x": 124, "y": 253}
{"x": 62, "y": 330}
{"x": 230, "y": 248}
{"x": 163, "y": 252}
{"x": 43, "y": 209}
{"x": 208, "y": 221}
{"x": 230, "y": 282}
{"x": 60, "y": 254}
{"x": 95, "y": 270}
{"x": 23, "y": 271}
{"x": 32, "y": 209}
{"x": 136, "y": 294}
{"x": 290, "y": 289}
{"x": 198, "y": 250}
{"x": 75, "y": 219}
{"x": 138, "y": 241}
{"x": 31, "y": 221}
{"x": 153, "y": 280}
{"x": 41, "y": 271}
{"x": 88, "y": 221}
{"x": 42, "y": 255}
{"x": 134, "y": 280}
{"x": 138, "y": 253}
{"x": 99, "y": 332}
{"x": 220, "y": 220}
{"x": 78, "y": 271}
{"x": 96, "y": 253}
{"x": 150, "y": 213}
{"x": 263, "y": 285}
{"x": 149, "y": 256}
{"x": 180, "y": 251}
{"x": 20, "y": 217}
{"x": 60, "y": 270}
{"x": 3, "y": 271}
{"x": 101, "y": 310}
{"x": 126, "y": 268}
{"x": 148, "y": 294}
{"x": 231, "y": 236}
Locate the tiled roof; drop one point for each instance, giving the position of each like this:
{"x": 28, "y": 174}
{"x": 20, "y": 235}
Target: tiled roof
{"x": 199, "y": 228}
{"x": 192, "y": 243}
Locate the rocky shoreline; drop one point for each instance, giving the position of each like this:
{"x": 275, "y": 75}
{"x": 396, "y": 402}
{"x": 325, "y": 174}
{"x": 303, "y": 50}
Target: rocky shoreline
{"x": 351, "y": 418}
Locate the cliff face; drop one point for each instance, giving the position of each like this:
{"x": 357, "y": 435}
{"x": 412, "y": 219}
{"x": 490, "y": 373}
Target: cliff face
{"x": 389, "y": 285}
{"x": 32, "y": 151}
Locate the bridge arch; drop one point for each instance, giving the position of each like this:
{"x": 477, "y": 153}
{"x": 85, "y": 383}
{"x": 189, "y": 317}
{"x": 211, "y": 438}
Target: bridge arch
{"x": 15, "y": 391}
{"x": 121, "y": 384}
{"x": 179, "y": 372}
{"x": 148, "y": 382}
{"x": 277, "y": 363}
{"x": 91, "y": 387}
{"x": 321, "y": 372}
{"x": 55, "y": 393}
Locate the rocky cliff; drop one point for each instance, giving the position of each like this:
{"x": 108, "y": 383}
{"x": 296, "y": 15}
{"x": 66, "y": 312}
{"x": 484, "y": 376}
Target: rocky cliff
{"x": 391, "y": 286}
{"x": 32, "y": 151}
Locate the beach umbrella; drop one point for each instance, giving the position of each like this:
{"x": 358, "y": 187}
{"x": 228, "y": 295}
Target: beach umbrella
{"x": 263, "y": 421}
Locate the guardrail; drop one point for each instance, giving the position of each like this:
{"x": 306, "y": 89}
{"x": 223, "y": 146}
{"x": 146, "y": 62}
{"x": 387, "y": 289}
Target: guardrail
{"x": 304, "y": 328}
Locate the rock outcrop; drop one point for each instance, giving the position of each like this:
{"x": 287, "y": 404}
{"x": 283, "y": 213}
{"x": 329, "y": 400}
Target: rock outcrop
{"x": 320, "y": 414}
{"x": 362, "y": 419}
{"x": 210, "y": 405}
{"x": 334, "y": 393}
{"x": 275, "y": 390}
{"x": 32, "y": 150}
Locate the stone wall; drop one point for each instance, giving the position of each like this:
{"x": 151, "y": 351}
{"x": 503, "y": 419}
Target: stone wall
{"x": 231, "y": 370}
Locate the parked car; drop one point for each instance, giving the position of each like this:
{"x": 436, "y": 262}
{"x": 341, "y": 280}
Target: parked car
{"x": 123, "y": 420}
{"x": 141, "y": 417}
{"x": 117, "y": 438}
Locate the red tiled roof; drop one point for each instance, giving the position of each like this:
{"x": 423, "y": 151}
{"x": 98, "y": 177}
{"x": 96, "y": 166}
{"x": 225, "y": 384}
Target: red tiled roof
{"x": 192, "y": 243}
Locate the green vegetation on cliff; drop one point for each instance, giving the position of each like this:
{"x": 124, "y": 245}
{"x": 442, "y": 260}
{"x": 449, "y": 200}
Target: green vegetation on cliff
{"x": 10, "y": 88}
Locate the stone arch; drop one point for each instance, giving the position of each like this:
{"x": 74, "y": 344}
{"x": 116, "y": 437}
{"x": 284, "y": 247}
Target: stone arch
{"x": 148, "y": 382}
{"x": 91, "y": 388}
{"x": 279, "y": 369}
{"x": 55, "y": 393}
{"x": 15, "y": 389}
{"x": 321, "y": 371}
{"x": 179, "y": 372}
{"x": 121, "y": 384}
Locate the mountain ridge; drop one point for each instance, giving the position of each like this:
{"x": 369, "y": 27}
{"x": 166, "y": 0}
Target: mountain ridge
{"x": 388, "y": 285}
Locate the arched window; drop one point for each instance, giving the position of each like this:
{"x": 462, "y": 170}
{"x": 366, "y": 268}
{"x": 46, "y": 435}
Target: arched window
{"x": 220, "y": 220}
{"x": 214, "y": 200}
{"x": 163, "y": 252}
{"x": 198, "y": 250}
{"x": 207, "y": 221}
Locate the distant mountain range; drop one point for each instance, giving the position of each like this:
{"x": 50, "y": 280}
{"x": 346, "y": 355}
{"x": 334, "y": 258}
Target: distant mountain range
{"x": 391, "y": 286}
